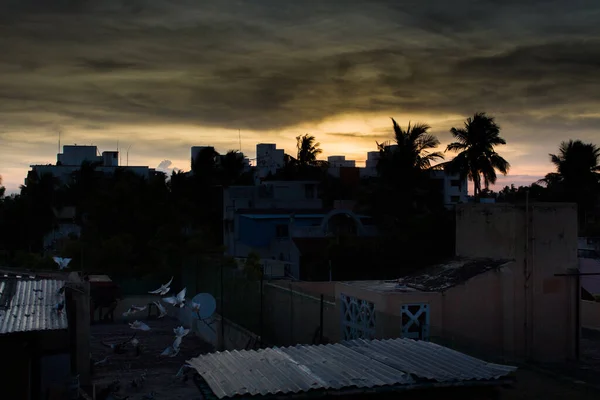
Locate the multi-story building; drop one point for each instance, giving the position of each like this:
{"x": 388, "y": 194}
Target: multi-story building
{"x": 268, "y": 159}
{"x": 338, "y": 163}
{"x": 70, "y": 160}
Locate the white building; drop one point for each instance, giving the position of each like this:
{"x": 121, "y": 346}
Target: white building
{"x": 72, "y": 156}
{"x": 338, "y": 162}
{"x": 268, "y": 159}
{"x": 453, "y": 188}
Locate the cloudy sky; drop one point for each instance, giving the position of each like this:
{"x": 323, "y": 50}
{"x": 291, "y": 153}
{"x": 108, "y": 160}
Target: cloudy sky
{"x": 158, "y": 76}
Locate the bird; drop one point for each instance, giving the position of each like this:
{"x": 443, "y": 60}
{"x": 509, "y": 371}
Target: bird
{"x": 133, "y": 309}
{"x": 181, "y": 373}
{"x": 119, "y": 348}
{"x": 59, "y": 306}
{"x": 61, "y": 290}
{"x": 139, "y": 325}
{"x": 177, "y": 301}
{"x": 161, "y": 308}
{"x": 163, "y": 289}
{"x": 62, "y": 262}
{"x": 170, "y": 351}
{"x": 195, "y": 307}
{"x": 38, "y": 290}
{"x": 101, "y": 362}
{"x": 180, "y": 332}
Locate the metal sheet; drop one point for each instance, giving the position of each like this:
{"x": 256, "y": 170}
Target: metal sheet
{"x": 354, "y": 364}
{"x": 31, "y": 310}
{"x": 428, "y": 360}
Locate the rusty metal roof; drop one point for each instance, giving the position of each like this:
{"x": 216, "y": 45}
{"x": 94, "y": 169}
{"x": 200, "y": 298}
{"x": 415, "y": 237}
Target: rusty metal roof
{"x": 441, "y": 277}
{"x": 358, "y": 364}
{"x": 31, "y": 307}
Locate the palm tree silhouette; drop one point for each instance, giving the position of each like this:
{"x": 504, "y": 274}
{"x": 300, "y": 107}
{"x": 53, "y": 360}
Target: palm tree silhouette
{"x": 411, "y": 152}
{"x": 477, "y": 158}
{"x": 577, "y": 176}
{"x": 308, "y": 150}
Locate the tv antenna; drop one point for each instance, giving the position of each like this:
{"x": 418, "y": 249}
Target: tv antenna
{"x": 127, "y": 158}
{"x": 240, "y": 139}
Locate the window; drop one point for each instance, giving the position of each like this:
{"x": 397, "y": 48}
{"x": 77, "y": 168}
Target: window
{"x": 455, "y": 183}
{"x": 282, "y": 231}
{"x": 454, "y": 199}
{"x": 358, "y": 318}
{"x": 309, "y": 191}
{"x": 415, "y": 321}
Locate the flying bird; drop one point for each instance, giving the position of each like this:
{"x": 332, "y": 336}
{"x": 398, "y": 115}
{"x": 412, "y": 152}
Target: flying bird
{"x": 133, "y": 309}
{"x": 161, "y": 308}
{"x": 195, "y": 307}
{"x": 62, "y": 262}
{"x": 182, "y": 373}
{"x": 163, "y": 289}
{"x": 177, "y": 301}
{"x": 61, "y": 290}
{"x": 139, "y": 325}
{"x": 180, "y": 332}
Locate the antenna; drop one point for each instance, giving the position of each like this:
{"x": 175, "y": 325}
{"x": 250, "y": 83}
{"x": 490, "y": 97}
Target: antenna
{"x": 127, "y": 158}
{"x": 59, "y": 130}
{"x": 240, "y": 138}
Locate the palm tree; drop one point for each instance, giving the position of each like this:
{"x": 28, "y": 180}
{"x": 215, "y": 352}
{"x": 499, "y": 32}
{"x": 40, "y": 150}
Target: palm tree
{"x": 411, "y": 152}
{"x": 308, "y": 150}
{"x": 231, "y": 167}
{"x": 477, "y": 158}
{"x": 577, "y": 176}
{"x": 2, "y": 188}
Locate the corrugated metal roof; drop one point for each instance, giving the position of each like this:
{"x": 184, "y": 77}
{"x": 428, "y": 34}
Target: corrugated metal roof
{"x": 428, "y": 360}
{"x": 354, "y": 364}
{"x": 32, "y": 307}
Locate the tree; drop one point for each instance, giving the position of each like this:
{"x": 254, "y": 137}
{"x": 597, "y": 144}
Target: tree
{"x": 411, "y": 153}
{"x": 477, "y": 158}
{"x": 308, "y": 150}
{"x": 2, "y": 189}
{"x": 577, "y": 176}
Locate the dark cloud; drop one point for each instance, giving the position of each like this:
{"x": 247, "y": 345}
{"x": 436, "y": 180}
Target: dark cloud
{"x": 269, "y": 65}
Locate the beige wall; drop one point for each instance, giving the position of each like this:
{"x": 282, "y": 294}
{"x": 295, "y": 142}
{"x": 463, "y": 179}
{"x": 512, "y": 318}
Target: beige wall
{"x": 590, "y": 314}
{"x": 542, "y": 240}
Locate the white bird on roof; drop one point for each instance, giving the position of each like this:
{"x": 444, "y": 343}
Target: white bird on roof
{"x": 161, "y": 308}
{"x": 170, "y": 351}
{"x": 163, "y": 289}
{"x": 62, "y": 262}
{"x": 177, "y": 301}
{"x": 133, "y": 309}
{"x": 139, "y": 325}
{"x": 195, "y": 307}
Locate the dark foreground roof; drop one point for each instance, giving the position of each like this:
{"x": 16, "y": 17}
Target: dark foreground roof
{"x": 28, "y": 305}
{"x": 444, "y": 276}
{"x": 398, "y": 364}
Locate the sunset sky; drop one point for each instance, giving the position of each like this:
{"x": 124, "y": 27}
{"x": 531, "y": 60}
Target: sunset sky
{"x": 161, "y": 76}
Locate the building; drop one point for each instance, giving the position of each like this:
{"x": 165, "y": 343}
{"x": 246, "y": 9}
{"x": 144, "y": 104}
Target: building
{"x": 64, "y": 228}
{"x": 508, "y": 293}
{"x": 268, "y": 159}
{"x": 70, "y": 160}
{"x": 454, "y": 189}
{"x": 39, "y": 344}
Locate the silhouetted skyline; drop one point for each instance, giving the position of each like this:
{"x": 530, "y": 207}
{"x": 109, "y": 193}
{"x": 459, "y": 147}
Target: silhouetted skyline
{"x": 162, "y": 76}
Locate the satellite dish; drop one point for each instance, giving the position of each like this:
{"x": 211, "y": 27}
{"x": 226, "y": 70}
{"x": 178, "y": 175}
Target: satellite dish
{"x": 208, "y": 305}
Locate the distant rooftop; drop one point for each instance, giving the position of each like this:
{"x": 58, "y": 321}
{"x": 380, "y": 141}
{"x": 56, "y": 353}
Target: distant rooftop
{"x": 444, "y": 276}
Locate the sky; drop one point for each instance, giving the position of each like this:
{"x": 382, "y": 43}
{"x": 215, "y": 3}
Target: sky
{"x": 159, "y": 76}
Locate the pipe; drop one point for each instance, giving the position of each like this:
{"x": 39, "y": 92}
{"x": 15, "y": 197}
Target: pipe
{"x": 525, "y": 279}
{"x": 577, "y": 316}
{"x": 321, "y": 321}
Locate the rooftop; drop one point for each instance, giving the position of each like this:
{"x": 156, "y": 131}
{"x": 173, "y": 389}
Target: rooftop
{"x": 358, "y": 364}
{"x": 444, "y": 276}
{"x": 28, "y": 305}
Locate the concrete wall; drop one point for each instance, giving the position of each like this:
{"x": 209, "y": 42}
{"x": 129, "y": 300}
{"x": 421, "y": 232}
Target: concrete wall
{"x": 292, "y": 313}
{"x": 542, "y": 239}
{"x": 590, "y": 314}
